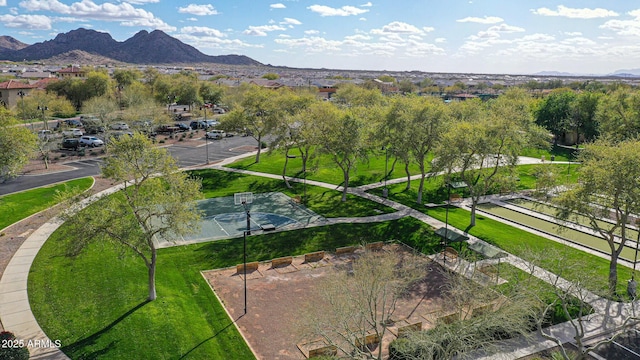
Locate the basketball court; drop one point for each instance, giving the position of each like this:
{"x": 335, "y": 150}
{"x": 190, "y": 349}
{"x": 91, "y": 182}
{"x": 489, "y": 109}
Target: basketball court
{"x": 226, "y": 217}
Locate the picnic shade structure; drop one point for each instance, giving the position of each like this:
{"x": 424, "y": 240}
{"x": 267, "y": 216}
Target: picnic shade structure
{"x": 489, "y": 252}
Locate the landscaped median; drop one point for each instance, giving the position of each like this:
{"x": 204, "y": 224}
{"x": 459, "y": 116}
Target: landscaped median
{"x": 17, "y": 206}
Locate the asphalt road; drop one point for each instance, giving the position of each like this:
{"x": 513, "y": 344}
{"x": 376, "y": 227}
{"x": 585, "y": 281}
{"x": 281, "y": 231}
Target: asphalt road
{"x": 186, "y": 156}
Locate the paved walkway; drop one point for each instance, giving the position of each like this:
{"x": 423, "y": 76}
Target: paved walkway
{"x": 17, "y": 317}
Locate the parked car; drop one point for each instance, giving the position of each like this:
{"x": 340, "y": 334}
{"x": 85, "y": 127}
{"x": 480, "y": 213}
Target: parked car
{"x": 118, "y": 135}
{"x": 167, "y": 129}
{"x": 182, "y": 126}
{"x": 45, "y": 134}
{"x": 90, "y": 141}
{"x": 211, "y": 123}
{"x": 218, "y": 110}
{"x": 69, "y": 123}
{"x": 215, "y": 134}
{"x": 70, "y": 144}
{"x": 72, "y": 132}
{"x": 119, "y": 126}
{"x": 199, "y": 124}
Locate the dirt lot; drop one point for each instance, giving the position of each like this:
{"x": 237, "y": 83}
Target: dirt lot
{"x": 277, "y": 297}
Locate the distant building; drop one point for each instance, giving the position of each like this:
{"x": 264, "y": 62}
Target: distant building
{"x": 71, "y": 72}
{"x": 11, "y": 90}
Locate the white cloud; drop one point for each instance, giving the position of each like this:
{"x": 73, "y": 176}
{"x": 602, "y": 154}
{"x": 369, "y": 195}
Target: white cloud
{"x": 440, "y": 40}
{"x": 574, "y": 33}
{"x": 312, "y": 32}
{"x": 311, "y": 44}
{"x": 202, "y": 31}
{"x": 575, "y": 13}
{"x": 290, "y": 21}
{"x": 3, "y": 2}
{"x": 32, "y": 22}
{"x": 484, "y": 20}
{"x": 343, "y": 11}
{"x": 368, "y": 4}
{"x": 398, "y": 27}
{"x": 124, "y": 13}
{"x": 214, "y": 42}
{"x": 359, "y": 37}
{"x": 262, "y": 30}
{"x": 142, "y": 2}
{"x": 623, "y": 27}
{"x": 199, "y": 10}
{"x": 277, "y": 6}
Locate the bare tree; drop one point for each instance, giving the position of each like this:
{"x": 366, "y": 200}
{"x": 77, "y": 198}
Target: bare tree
{"x": 361, "y": 299}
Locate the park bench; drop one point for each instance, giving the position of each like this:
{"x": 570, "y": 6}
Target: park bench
{"x": 375, "y": 246}
{"x": 281, "y": 262}
{"x": 251, "y": 267}
{"x": 345, "y": 250}
{"x": 314, "y": 256}
{"x": 328, "y": 350}
{"x": 404, "y": 330}
{"x": 369, "y": 340}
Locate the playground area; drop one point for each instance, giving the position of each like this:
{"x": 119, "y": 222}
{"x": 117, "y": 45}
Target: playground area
{"x": 224, "y": 217}
{"x": 279, "y": 291}
{"x": 540, "y": 216}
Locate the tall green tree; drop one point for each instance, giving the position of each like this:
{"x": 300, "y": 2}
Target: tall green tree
{"x": 484, "y": 151}
{"x": 157, "y": 201}
{"x": 256, "y": 114}
{"x": 342, "y": 135}
{"x": 608, "y": 189}
{"x": 556, "y": 111}
{"x": 618, "y": 114}
{"x": 17, "y": 145}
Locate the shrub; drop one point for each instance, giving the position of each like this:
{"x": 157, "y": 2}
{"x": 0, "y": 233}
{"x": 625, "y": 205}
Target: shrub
{"x": 11, "y": 348}
{"x": 81, "y": 152}
{"x": 181, "y": 139}
{"x": 161, "y": 141}
{"x": 63, "y": 155}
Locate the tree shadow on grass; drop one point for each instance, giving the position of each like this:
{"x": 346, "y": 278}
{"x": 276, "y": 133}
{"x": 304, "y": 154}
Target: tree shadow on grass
{"x": 79, "y": 347}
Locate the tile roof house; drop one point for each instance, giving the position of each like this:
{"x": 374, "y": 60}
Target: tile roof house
{"x": 11, "y": 90}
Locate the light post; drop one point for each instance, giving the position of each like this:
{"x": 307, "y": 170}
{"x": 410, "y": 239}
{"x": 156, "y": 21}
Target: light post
{"x": 304, "y": 181}
{"x": 385, "y": 190}
{"x": 22, "y": 94}
{"x": 44, "y": 119}
{"x": 206, "y": 138}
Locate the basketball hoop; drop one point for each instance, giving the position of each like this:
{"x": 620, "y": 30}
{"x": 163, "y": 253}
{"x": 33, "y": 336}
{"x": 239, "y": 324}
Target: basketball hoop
{"x": 243, "y": 198}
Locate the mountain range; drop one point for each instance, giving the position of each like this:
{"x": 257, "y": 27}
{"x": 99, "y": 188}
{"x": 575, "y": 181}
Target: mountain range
{"x": 145, "y": 47}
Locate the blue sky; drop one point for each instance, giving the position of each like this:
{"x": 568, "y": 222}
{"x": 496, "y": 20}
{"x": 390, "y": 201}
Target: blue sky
{"x": 474, "y": 36}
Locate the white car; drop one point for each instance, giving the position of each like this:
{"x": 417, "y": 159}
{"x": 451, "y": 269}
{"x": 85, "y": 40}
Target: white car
{"x": 72, "y": 133}
{"x": 119, "y": 126}
{"x": 45, "y": 134}
{"x": 90, "y": 141}
{"x": 216, "y": 134}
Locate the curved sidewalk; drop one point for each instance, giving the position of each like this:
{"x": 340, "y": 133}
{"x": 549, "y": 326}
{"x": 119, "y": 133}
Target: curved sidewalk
{"x": 15, "y": 310}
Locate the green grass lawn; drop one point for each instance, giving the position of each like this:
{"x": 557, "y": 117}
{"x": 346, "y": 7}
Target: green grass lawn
{"x": 559, "y": 153}
{"x": 524, "y": 244}
{"x": 325, "y": 202}
{"x": 435, "y": 192}
{"x": 95, "y": 303}
{"x": 15, "y": 207}
{"x": 325, "y": 170}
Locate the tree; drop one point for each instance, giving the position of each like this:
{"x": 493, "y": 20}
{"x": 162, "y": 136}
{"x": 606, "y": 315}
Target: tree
{"x": 271, "y": 76}
{"x": 475, "y": 319}
{"x": 428, "y": 118}
{"x": 618, "y": 114}
{"x": 361, "y": 300}
{"x": 17, "y": 144}
{"x": 211, "y": 93}
{"x": 157, "y": 201}
{"x": 583, "y": 118}
{"x": 291, "y": 129}
{"x": 256, "y": 114}
{"x": 602, "y": 195}
{"x": 341, "y": 134}
{"x": 395, "y": 134}
{"x": 569, "y": 299}
{"x": 484, "y": 150}
{"x": 350, "y": 95}
{"x": 555, "y": 111}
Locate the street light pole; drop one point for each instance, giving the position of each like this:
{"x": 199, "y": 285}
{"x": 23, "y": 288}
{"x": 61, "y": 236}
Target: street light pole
{"x": 206, "y": 138}
{"x": 385, "y": 191}
{"x": 44, "y": 119}
{"x": 22, "y": 94}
